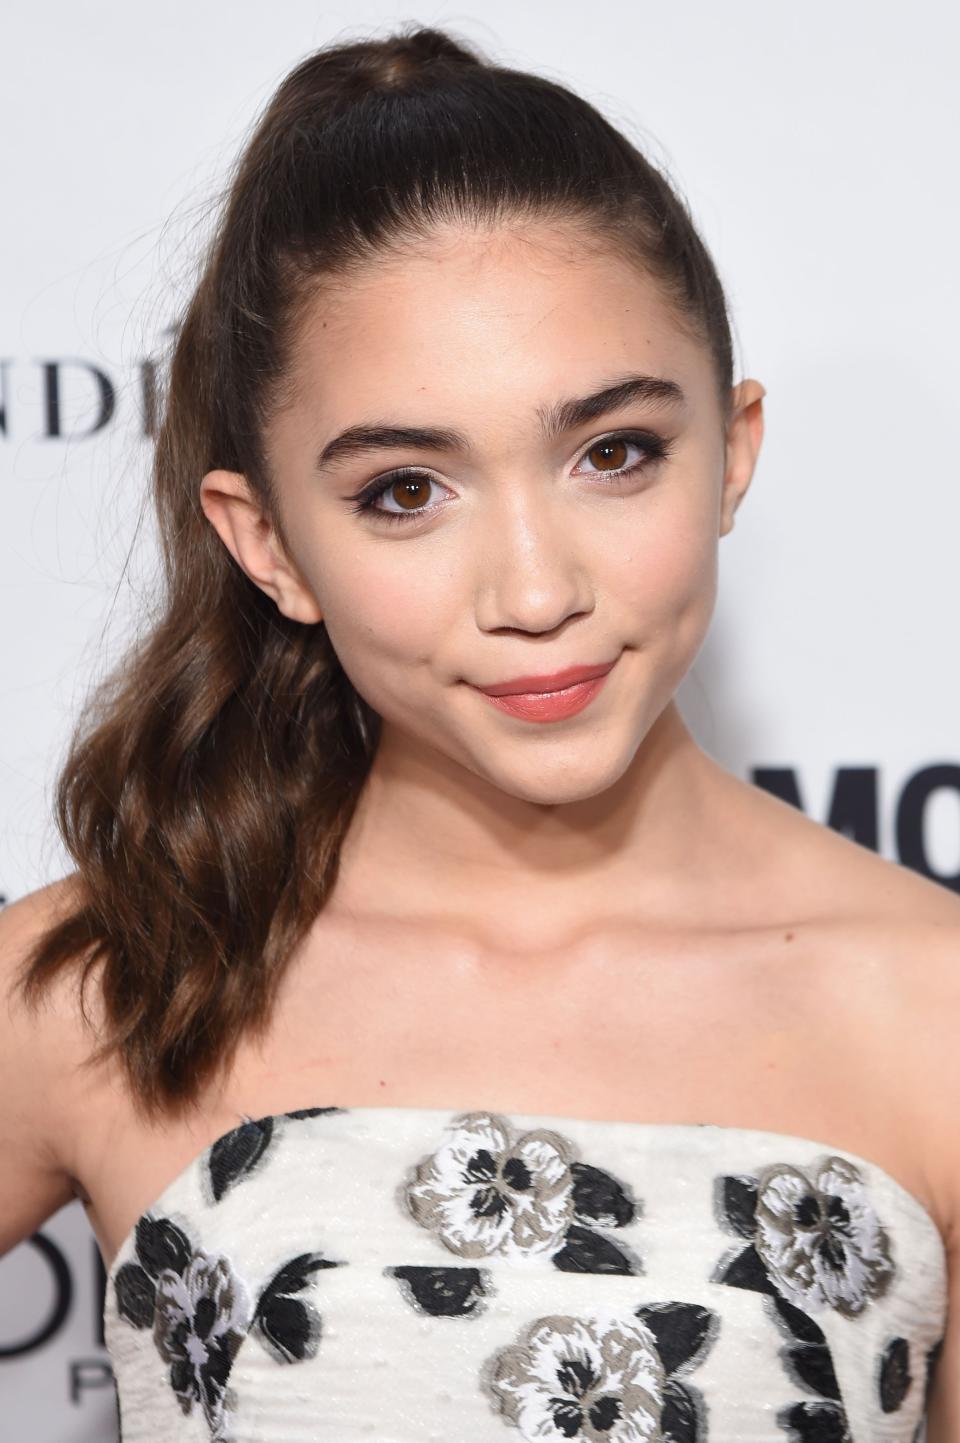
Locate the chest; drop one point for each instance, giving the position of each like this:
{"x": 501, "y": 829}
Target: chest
{"x": 735, "y": 1031}
{"x": 624, "y": 1025}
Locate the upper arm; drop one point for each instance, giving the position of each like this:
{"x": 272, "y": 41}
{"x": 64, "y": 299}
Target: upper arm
{"x": 34, "y": 1179}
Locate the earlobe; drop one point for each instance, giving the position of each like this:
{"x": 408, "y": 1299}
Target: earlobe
{"x": 243, "y": 524}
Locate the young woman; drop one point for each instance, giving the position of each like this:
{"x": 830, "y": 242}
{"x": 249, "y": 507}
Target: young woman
{"x": 461, "y": 1052}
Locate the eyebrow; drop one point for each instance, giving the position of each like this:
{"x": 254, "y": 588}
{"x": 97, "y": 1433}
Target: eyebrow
{"x": 554, "y": 421}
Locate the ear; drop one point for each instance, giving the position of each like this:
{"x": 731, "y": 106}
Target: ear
{"x": 744, "y": 435}
{"x": 245, "y": 528}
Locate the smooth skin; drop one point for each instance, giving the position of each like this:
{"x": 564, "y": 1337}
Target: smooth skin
{"x": 586, "y": 918}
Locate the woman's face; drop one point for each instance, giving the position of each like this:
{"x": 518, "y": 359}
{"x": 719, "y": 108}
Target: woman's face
{"x": 546, "y": 530}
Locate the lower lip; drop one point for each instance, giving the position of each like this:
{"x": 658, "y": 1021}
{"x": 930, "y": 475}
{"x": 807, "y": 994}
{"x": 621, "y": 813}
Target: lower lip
{"x": 546, "y": 706}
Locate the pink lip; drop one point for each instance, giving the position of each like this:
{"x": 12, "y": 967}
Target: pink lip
{"x": 556, "y": 681}
{"x": 555, "y": 703}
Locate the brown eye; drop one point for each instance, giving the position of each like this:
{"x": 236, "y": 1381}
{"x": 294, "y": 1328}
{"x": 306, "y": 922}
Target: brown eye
{"x": 609, "y": 455}
{"x": 411, "y": 491}
{"x": 406, "y": 494}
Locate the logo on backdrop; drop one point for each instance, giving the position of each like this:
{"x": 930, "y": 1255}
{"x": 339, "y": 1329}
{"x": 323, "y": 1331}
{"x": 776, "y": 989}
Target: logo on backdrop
{"x": 45, "y": 1306}
{"x": 69, "y": 398}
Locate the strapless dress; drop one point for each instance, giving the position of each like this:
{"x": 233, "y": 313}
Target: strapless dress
{"x": 422, "y": 1275}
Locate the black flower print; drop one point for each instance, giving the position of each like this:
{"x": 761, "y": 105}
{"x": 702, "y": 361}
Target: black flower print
{"x": 240, "y": 1152}
{"x": 237, "y": 1154}
{"x": 894, "y": 1376}
{"x": 289, "y": 1326}
{"x": 815, "y": 1423}
{"x": 200, "y": 1311}
{"x": 816, "y": 1241}
{"x": 487, "y": 1191}
{"x": 807, "y": 1355}
{"x": 603, "y": 1377}
{"x": 684, "y": 1333}
{"x": 444, "y": 1292}
{"x": 808, "y": 1360}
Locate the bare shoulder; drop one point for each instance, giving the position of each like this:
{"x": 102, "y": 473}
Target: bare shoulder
{"x": 42, "y": 1082}
{"x": 805, "y": 865}
{"x": 22, "y": 923}
{"x": 52, "y": 1038}
{"x": 913, "y": 954}
{"x": 882, "y": 961}
{"x": 885, "y": 929}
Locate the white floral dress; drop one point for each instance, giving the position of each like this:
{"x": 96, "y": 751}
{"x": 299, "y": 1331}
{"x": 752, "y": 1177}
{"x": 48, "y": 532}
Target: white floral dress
{"x": 416, "y": 1275}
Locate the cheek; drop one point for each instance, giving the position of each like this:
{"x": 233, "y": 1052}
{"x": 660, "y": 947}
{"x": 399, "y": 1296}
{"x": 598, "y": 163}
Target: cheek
{"x": 668, "y": 576}
{"x": 379, "y": 618}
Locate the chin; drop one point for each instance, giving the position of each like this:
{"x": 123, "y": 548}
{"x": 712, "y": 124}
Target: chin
{"x": 552, "y": 782}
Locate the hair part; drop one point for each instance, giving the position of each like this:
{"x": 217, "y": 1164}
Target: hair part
{"x": 212, "y": 778}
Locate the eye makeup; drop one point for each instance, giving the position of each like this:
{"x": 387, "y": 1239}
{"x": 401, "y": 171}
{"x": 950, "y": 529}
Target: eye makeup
{"x": 654, "y": 447}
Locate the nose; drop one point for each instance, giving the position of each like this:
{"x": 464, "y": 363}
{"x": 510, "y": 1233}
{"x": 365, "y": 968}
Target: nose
{"x": 534, "y": 572}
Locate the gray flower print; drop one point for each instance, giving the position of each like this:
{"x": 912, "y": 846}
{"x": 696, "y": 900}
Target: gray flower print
{"x": 200, "y": 1320}
{"x": 484, "y": 1191}
{"x": 820, "y": 1240}
{"x": 597, "y": 1378}
{"x": 199, "y": 1313}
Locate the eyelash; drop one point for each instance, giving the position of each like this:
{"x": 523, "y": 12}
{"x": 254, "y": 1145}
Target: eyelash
{"x": 656, "y": 448}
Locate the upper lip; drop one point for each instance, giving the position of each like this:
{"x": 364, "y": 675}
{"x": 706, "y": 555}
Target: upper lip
{"x": 554, "y": 682}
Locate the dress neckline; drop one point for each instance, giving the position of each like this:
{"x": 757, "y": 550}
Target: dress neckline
{"x": 557, "y": 1120}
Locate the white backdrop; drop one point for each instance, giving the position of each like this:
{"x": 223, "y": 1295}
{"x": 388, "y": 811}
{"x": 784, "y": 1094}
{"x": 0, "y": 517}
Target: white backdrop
{"x": 817, "y": 145}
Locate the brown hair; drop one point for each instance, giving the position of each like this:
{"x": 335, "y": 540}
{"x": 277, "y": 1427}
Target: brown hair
{"x": 212, "y": 778}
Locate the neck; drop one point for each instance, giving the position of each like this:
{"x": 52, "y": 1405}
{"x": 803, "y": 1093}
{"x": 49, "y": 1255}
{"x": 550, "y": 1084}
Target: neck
{"x": 431, "y": 842}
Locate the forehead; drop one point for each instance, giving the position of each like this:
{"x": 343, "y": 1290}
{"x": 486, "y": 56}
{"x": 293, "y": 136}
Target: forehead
{"x": 473, "y": 317}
